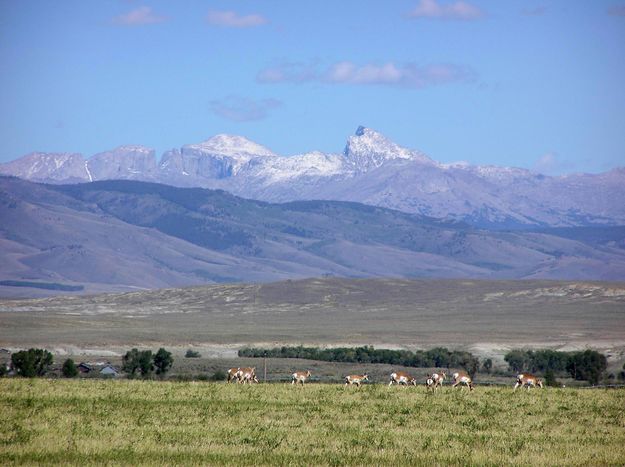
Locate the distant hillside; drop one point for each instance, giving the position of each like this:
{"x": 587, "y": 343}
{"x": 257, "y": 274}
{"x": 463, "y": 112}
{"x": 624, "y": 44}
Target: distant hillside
{"x": 116, "y": 235}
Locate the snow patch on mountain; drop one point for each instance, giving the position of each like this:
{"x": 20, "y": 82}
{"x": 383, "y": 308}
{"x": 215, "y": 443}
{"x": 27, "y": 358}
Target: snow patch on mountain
{"x": 232, "y": 146}
{"x": 282, "y": 169}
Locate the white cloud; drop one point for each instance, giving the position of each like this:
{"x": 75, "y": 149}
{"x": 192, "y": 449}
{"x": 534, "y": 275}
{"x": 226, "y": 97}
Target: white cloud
{"x": 407, "y": 75}
{"x": 139, "y": 16}
{"x": 457, "y": 10}
{"x": 243, "y": 109}
{"x": 551, "y": 164}
{"x": 231, "y": 19}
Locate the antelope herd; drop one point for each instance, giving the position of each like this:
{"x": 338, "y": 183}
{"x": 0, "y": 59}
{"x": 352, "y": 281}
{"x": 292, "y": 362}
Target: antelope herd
{"x": 242, "y": 375}
{"x": 433, "y": 381}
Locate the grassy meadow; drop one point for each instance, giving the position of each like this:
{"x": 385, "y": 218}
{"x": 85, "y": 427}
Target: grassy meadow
{"x": 150, "y": 422}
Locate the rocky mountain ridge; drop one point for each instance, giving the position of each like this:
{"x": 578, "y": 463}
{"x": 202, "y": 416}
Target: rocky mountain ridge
{"x": 371, "y": 169}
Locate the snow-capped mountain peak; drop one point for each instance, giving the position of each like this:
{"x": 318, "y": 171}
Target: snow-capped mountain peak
{"x": 232, "y": 146}
{"x": 368, "y": 149}
{"x": 372, "y": 170}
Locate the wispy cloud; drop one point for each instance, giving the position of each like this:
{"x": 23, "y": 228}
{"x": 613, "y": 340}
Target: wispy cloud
{"x": 617, "y": 10}
{"x": 458, "y": 10}
{"x": 551, "y": 164}
{"x": 243, "y": 109}
{"x": 535, "y": 11}
{"x": 409, "y": 75}
{"x": 139, "y": 16}
{"x": 231, "y": 19}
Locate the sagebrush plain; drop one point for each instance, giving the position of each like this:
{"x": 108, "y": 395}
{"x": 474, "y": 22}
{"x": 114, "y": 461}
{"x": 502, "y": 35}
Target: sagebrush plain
{"x": 153, "y": 422}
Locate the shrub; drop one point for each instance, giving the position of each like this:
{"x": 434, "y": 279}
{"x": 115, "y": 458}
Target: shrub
{"x": 69, "y": 369}
{"x": 487, "y": 366}
{"x": 192, "y": 354}
{"x": 219, "y": 375}
{"x": 550, "y": 379}
{"x": 31, "y": 362}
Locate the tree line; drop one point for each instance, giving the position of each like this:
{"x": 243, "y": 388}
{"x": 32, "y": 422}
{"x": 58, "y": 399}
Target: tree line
{"x": 36, "y": 362}
{"x": 586, "y": 365}
{"x": 440, "y": 357}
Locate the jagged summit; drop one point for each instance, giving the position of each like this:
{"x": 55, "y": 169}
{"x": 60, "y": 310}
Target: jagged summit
{"x": 231, "y": 145}
{"x": 368, "y": 149}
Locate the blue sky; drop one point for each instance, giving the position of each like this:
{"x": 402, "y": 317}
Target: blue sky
{"x": 529, "y": 84}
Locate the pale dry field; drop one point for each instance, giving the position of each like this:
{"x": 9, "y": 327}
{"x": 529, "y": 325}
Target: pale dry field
{"x": 483, "y": 316}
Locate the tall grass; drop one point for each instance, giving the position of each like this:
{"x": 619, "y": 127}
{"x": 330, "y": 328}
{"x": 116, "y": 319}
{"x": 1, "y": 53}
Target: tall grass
{"x": 150, "y": 422}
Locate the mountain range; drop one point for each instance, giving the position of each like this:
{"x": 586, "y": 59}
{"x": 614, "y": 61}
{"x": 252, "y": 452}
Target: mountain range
{"x": 121, "y": 235}
{"x": 371, "y": 170}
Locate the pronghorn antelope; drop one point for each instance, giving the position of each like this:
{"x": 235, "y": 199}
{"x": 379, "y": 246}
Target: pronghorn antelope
{"x": 356, "y": 379}
{"x": 300, "y": 377}
{"x": 233, "y": 374}
{"x": 399, "y": 377}
{"x": 528, "y": 380}
{"x": 438, "y": 378}
{"x": 461, "y": 377}
{"x": 430, "y": 384}
{"x": 247, "y": 375}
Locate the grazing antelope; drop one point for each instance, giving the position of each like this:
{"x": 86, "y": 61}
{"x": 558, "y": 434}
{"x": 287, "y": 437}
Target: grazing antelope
{"x": 299, "y": 377}
{"x": 462, "y": 377}
{"x": 247, "y": 375}
{"x": 430, "y": 384}
{"x": 232, "y": 374}
{"x": 438, "y": 379}
{"x": 401, "y": 378}
{"x": 528, "y": 380}
{"x": 356, "y": 379}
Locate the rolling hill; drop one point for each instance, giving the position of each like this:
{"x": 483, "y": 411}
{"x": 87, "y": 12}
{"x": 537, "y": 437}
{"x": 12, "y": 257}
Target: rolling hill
{"x": 119, "y": 235}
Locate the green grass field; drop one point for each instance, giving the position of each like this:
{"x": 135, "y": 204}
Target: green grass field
{"x": 150, "y": 422}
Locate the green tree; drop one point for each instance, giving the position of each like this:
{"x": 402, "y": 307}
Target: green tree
{"x": 69, "y": 369}
{"x": 136, "y": 360}
{"x": 469, "y": 363}
{"x": 517, "y": 360}
{"x": 487, "y": 366}
{"x": 31, "y": 362}
{"x": 587, "y": 365}
{"x": 163, "y": 361}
